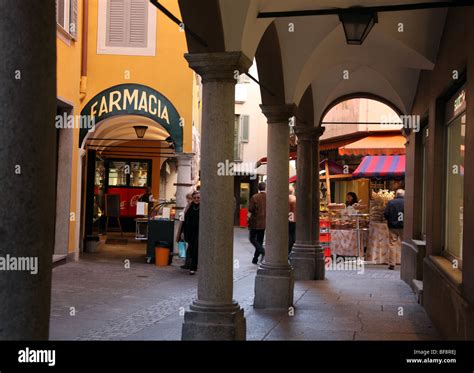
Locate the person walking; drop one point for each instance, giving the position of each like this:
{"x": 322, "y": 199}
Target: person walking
{"x": 257, "y": 209}
{"x": 394, "y": 214}
{"x": 180, "y": 234}
{"x": 291, "y": 219}
{"x": 191, "y": 231}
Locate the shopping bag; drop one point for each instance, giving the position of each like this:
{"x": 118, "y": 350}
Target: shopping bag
{"x": 182, "y": 249}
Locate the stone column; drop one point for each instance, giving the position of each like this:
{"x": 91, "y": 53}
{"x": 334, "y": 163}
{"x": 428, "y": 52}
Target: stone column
{"x": 183, "y": 186}
{"x": 320, "y": 264}
{"x": 303, "y": 254}
{"x": 28, "y": 171}
{"x": 184, "y": 183}
{"x": 316, "y": 190}
{"x": 214, "y": 315}
{"x": 274, "y": 282}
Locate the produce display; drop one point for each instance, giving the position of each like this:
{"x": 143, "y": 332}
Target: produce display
{"x": 378, "y": 203}
{"x": 383, "y": 196}
{"x": 341, "y": 217}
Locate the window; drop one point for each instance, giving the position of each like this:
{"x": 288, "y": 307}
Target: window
{"x": 118, "y": 173}
{"x": 237, "y": 143}
{"x": 425, "y": 134}
{"x": 99, "y": 174}
{"x": 241, "y": 135}
{"x": 454, "y": 188}
{"x": 138, "y": 174}
{"x": 126, "y": 27}
{"x": 128, "y": 173}
{"x": 66, "y": 16}
{"x": 127, "y": 23}
{"x": 244, "y": 121}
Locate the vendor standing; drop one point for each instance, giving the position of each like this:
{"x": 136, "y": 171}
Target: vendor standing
{"x": 394, "y": 214}
{"x": 351, "y": 199}
{"x": 148, "y": 198}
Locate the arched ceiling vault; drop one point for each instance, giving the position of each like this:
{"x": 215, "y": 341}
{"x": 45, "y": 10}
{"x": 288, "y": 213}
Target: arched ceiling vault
{"x": 119, "y": 130}
{"x": 314, "y": 51}
{"x": 270, "y": 68}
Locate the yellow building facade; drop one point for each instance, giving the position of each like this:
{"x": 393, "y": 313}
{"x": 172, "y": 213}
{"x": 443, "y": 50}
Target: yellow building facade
{"x": 120, "y": 65}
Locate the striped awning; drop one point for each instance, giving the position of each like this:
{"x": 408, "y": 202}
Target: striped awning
{"x": 384, "y": 166}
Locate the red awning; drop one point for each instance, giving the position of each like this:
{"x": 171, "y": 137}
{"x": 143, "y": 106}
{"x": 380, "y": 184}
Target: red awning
{"x": 264, "y": 160}
{"x": 387, "y": 166}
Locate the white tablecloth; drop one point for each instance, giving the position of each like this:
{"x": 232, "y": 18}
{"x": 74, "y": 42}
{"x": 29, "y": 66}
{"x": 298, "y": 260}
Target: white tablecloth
{"x": 344, "y": 242}
{"x": 377, "y": 248}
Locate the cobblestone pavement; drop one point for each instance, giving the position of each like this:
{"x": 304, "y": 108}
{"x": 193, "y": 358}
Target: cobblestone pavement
{"x": 100, "y": 298}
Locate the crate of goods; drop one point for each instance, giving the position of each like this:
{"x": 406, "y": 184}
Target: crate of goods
{"x": 325, "y": 236}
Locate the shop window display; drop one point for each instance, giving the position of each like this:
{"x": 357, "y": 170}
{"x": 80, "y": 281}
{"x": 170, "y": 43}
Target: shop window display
{"x": 455, "y": 187}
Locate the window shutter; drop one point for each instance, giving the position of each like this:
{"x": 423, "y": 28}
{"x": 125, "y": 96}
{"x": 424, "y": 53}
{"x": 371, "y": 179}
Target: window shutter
{"x": 116, "y": 16}
{"x": 138, "y": 23}
{"x": 245, "y": 128}
{"x": 73, "y": 19}
{"x": 237, "y": 120}
{"x": 60, "y": 5}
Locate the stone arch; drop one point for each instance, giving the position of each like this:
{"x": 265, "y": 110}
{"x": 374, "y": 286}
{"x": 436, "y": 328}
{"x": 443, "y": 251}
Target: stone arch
{"x": 354, "y": 95}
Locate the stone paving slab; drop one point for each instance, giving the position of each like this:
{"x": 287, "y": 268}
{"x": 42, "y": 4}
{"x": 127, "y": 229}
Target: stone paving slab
{"x": 378, "y": 336}
{"x": 147, "y": 303}
{"x": 304, "y": 332}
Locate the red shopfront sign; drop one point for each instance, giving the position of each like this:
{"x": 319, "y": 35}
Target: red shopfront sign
{"x": 128, "y": 199}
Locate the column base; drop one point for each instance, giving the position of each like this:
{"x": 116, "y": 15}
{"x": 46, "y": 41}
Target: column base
{"x": 320, "y": 264}
{"x": 308, "y": 262}
{"x": 303, "y": 260}
{"x": 274, "y": 287}
{"x": 210, "y": 322}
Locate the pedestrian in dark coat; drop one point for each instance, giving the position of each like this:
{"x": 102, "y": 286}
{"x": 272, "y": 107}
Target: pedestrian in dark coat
{"x": 191, "y": 231}
{"x": 257, "y": 209}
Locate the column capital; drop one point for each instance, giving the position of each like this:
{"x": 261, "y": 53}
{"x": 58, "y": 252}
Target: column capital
{"x": 320, "y": 131}
{"x": 219, "y": 66}
{"x": 184, "y": 156}
{"x": 278, "y": 113}
{"x": 308, "y": 133}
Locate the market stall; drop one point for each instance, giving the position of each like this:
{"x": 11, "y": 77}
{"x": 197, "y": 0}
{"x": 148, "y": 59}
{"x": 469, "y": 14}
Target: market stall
{"x": 348, "y": 228}
{"x": 386, "y": 175}
{"x": 360, "y": 230}
{"x": 372, "y": 167}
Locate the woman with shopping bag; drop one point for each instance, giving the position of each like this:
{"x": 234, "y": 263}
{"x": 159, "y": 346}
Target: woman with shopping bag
{"x": 183, "y": 246}
{"x": 191, "y": 231}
